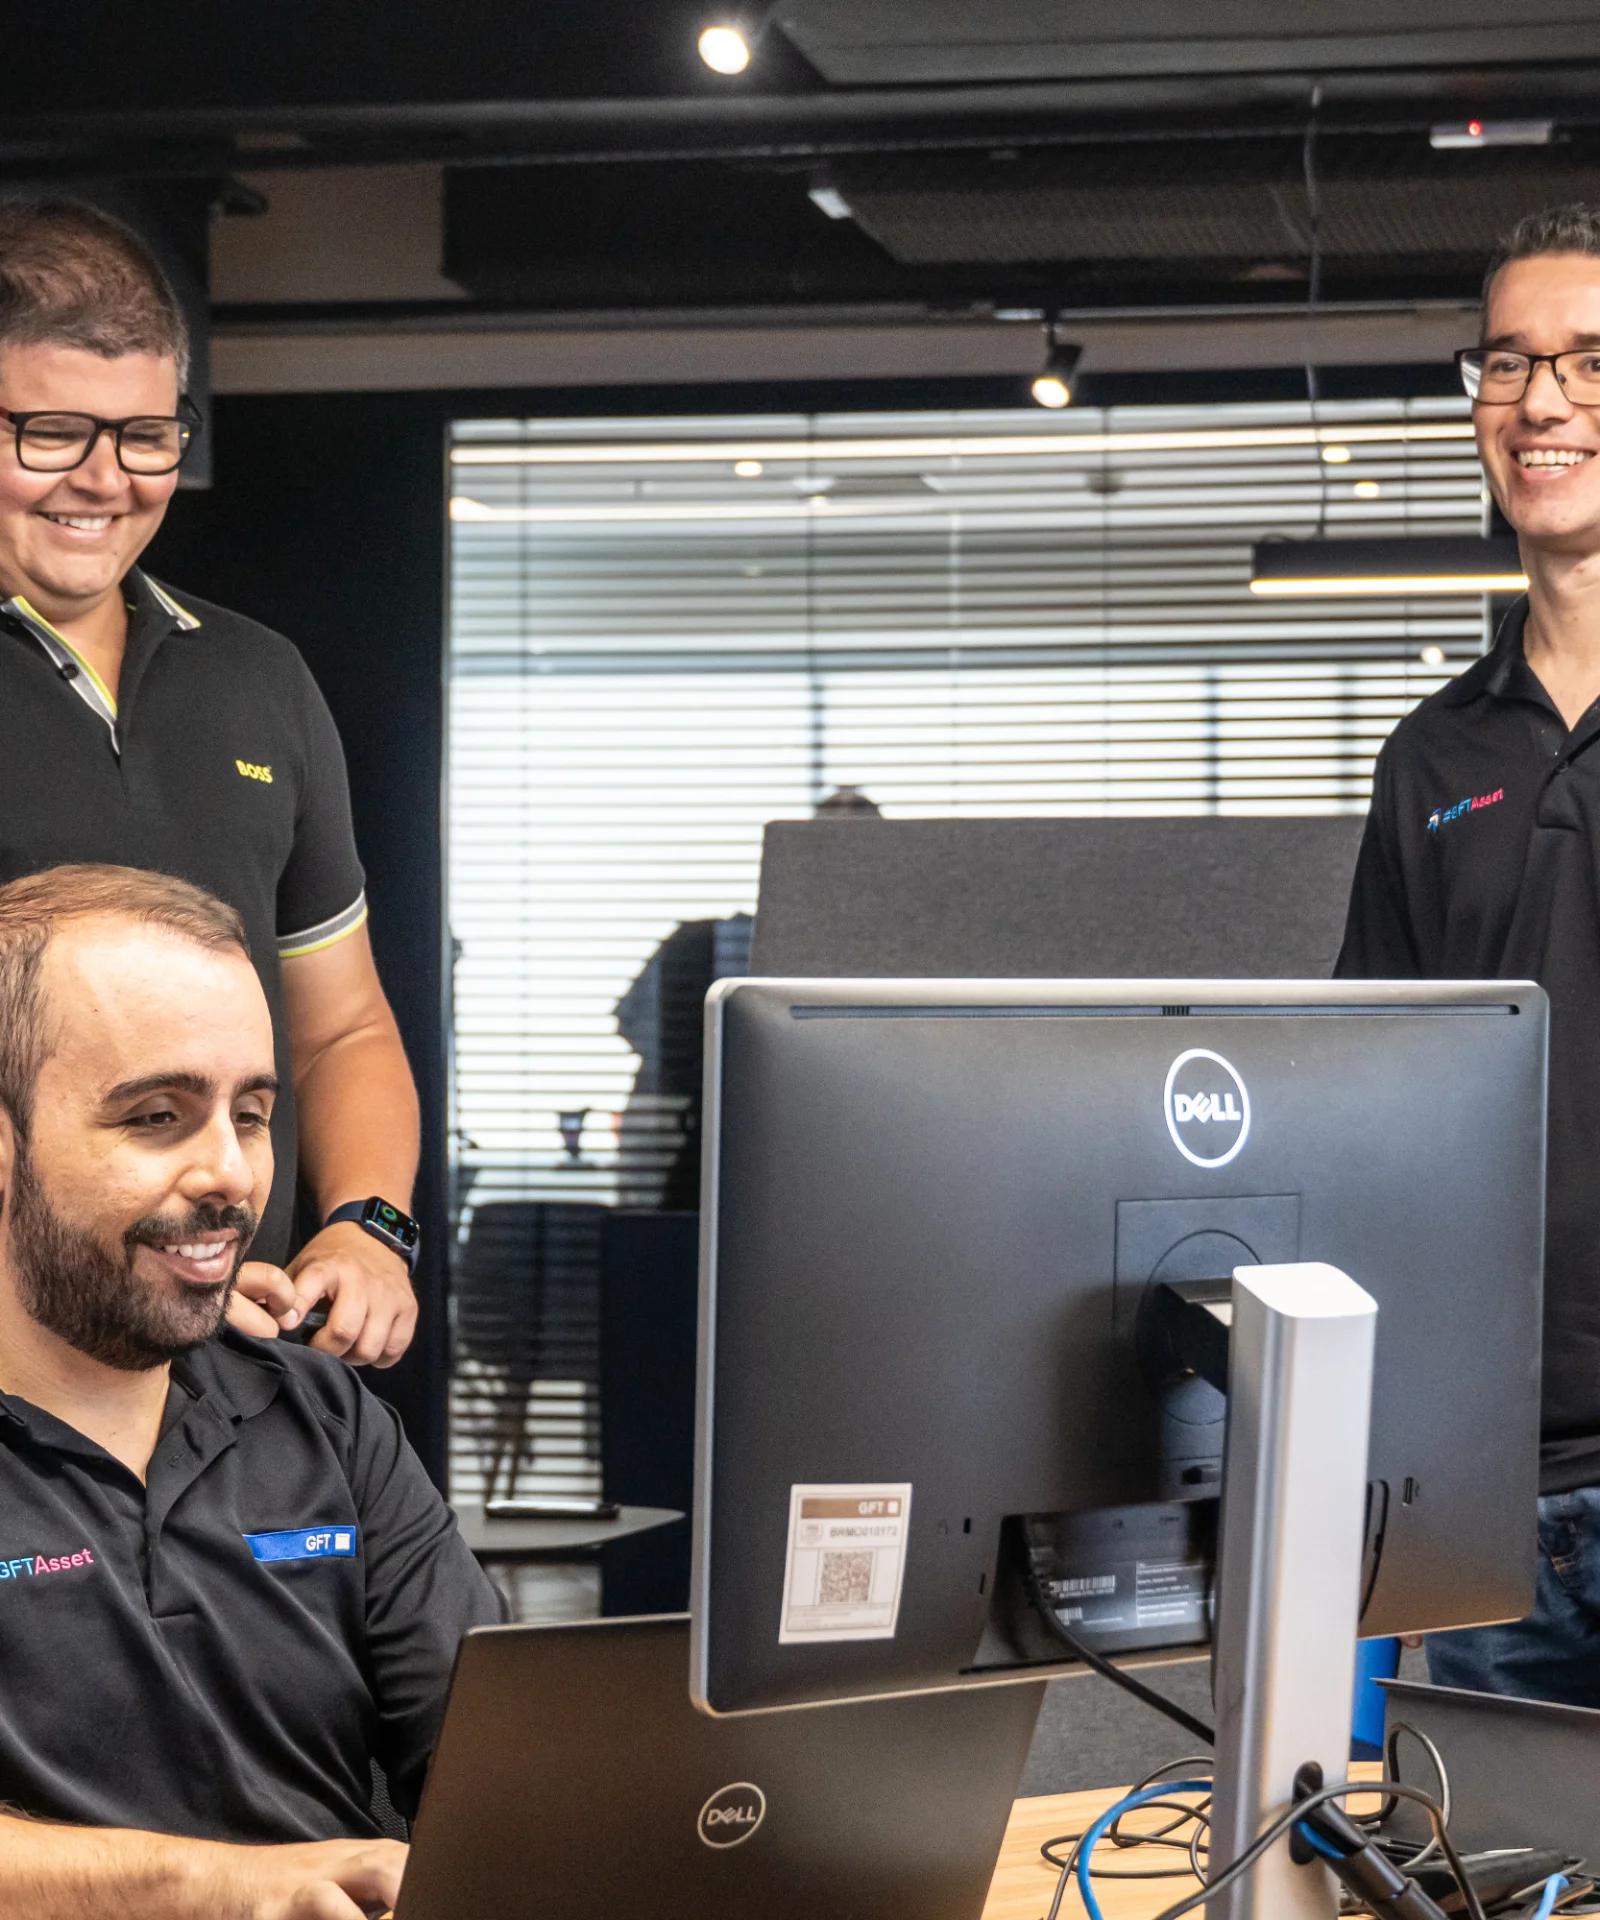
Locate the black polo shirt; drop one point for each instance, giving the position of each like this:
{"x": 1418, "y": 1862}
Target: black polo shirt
{"x": 1481, "y": 860}
{"x": 224, "y": 1651}
{"x": 218, "y": 762}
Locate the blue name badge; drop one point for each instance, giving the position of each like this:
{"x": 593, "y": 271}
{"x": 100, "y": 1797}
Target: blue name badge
{"x": 304, "y": 1543}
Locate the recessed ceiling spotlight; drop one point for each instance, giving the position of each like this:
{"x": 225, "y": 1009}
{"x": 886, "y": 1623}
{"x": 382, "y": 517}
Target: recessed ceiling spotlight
{"x": 1433, "y": 656}
{"x": 1336, "y": 456}
{"x": 748, "y": 469}
{"x": 1052, "y": 384}
{"x": 724, "y": 49}
{"x": 1366, "y": 490}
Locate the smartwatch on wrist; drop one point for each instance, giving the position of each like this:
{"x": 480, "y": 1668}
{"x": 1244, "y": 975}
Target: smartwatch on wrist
{"x": 385, "y": 1222}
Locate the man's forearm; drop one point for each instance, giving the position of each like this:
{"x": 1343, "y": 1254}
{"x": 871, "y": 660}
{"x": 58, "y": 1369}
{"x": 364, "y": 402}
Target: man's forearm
{"x": 360, "y": 1129}
{"x": 50, "y": 1872}
{"x": 71, "y": 1873}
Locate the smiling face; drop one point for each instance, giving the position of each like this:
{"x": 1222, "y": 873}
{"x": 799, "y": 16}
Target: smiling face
{"x": 1539, "y": 455}
{"x": 67, "y": 539}
{"x": 132, "y": 1202}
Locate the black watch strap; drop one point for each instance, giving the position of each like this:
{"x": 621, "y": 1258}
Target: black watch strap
{"x": 385, "y": 1222}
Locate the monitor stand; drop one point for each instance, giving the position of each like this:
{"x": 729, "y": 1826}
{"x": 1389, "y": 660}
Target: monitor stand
{"x": 1294, "y": 1487}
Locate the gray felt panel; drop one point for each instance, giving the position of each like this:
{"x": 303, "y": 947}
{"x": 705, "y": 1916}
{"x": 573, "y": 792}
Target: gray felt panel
{"x": 1073, "y": 898}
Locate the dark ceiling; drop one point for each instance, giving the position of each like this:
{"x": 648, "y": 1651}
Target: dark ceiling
{"x": 990, "y": 152}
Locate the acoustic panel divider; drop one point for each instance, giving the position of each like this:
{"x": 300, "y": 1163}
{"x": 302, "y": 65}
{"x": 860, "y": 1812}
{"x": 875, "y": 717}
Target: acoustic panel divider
{"x": 1087, "y": 898}
{"x": 1241, "y": 898}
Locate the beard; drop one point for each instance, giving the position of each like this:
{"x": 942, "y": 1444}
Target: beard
{"x": 95, "y": 1301}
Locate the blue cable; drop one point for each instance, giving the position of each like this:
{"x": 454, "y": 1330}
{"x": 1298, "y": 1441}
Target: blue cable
{"x": 1087, "y": 1845}
{"x": 1316, "y": 1843}
{"x": 1554, "y": 1887}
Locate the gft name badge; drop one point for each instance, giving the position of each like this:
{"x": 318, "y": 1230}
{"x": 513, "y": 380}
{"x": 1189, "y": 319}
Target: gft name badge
{"x": 304, "y": 1543}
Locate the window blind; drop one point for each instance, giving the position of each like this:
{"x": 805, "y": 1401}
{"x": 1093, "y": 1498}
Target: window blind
{"x": 666, "y": 632}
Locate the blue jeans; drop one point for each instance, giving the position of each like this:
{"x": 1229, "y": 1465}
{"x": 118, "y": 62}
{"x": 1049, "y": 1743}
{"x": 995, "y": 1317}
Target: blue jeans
{"x": 1554, "y": 1654}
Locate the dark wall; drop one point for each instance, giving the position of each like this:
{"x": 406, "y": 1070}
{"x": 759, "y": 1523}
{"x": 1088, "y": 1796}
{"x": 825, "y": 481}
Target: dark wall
{"x": 326, "y": 521}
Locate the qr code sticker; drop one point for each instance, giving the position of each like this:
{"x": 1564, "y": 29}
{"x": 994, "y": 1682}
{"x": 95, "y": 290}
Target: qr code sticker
{"x": 846, "y": 1579}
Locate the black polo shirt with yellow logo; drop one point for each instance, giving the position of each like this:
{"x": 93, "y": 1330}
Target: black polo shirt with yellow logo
{"x": 218, "y": 761}
{"x": 1481, "y": 861}
{"x": 223, "y": 1651}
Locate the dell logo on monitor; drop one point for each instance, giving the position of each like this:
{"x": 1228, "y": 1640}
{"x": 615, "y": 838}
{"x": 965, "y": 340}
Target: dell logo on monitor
{"x": 1207, "y": 1108}
{"x": 732, "y": 1814}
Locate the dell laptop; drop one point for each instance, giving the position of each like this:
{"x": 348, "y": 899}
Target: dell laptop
{"x": 573, "y": 1779}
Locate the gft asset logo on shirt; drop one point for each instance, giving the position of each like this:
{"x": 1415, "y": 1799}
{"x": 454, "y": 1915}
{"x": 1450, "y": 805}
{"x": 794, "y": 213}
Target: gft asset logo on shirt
{"x": 31, "y": 1565}
{"x": 1207, "y": 1108}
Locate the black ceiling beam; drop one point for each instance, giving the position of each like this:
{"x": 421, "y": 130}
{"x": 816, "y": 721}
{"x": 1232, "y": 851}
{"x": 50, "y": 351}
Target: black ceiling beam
{"x": 209, "y": 141}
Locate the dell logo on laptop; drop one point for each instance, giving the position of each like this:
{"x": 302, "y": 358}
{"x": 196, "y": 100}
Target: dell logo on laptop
{"x": 732, "y": 1814}
{"x": 1207, "y": 1108}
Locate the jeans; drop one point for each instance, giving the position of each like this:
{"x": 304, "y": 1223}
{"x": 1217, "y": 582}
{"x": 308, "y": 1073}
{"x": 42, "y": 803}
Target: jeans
{"x": 1554, "y": 1654}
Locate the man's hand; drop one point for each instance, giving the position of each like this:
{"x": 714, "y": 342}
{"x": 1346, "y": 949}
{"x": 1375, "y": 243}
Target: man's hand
{"x": 323, "y": 1880}
{"x": 372, "y": 1311}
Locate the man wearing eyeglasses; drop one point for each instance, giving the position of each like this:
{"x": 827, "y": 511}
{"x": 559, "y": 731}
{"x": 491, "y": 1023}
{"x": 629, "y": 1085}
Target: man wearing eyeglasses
{"x": 139, "y": 728}
{"x": 1481, "y": 860}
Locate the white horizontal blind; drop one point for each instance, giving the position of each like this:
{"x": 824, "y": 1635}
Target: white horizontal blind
{"x": 656, "y": 648}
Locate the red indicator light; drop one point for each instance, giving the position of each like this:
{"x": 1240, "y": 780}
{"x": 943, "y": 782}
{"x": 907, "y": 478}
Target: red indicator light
{"x": 1475, "y": 128}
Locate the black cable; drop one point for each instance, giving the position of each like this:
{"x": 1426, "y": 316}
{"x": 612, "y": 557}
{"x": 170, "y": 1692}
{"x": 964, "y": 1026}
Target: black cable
{"x": 1308, "y": 164}
{"x": 1098, "y": 1662}
{"x": 1247, "y": 1860}
{"x": 1158, "y": 1838}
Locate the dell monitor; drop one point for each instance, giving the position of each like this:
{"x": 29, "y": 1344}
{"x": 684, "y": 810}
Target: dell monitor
{"x": 937, "y": 1378}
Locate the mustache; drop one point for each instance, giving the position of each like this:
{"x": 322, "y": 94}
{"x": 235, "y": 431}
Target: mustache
{"x": 168, "y": 1229}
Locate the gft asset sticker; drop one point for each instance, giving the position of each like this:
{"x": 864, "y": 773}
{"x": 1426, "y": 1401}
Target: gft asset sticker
{"x": 845, "y": 1564}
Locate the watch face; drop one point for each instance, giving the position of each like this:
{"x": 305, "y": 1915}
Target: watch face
{"x": 399, "y": 1227}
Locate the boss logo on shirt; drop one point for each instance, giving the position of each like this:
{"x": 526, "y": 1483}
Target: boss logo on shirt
{"x": 250, "y": 771}
{"x": 1442, "y": 816}
{"x": 31, "y": 1565}
{"x": 304, "y": 1543}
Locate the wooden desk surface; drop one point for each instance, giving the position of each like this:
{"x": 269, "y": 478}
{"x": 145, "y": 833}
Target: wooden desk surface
{"x": 1024, "y": 1883}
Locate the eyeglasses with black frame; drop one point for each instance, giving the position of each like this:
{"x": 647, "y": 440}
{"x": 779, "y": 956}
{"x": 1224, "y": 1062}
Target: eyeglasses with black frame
{"x": 146, "y": 443}
{"x": 1498, "y": 377}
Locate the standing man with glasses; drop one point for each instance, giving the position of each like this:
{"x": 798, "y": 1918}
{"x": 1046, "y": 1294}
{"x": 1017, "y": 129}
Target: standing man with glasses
{"x": 1481, "y": 860}
{"x": 143, "y": 729}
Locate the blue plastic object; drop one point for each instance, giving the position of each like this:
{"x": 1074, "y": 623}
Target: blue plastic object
{"x": 1375, "y": 1660}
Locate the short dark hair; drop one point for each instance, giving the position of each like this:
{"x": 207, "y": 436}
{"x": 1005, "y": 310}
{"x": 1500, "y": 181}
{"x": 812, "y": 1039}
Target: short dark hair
{"x": 1573, "y": 228}
{"x": 32, "y": 910}
{"x": 72, "y": 276}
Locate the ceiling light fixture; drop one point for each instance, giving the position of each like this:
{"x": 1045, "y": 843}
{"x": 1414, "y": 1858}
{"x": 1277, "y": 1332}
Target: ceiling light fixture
{"x": 1425, "y": 563}
{"x": 1052, "y": 384}
{"x": 1336, "y": 456}
{"x": 724, "y": 49}
{"x": 1492, "y": 133}
{"x": 748, "y": 469}
{"x": 827, "y": 197}
{"x": 924, "y": 447}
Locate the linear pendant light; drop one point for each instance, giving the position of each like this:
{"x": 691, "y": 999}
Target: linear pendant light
{"x": 1424, "y": 563}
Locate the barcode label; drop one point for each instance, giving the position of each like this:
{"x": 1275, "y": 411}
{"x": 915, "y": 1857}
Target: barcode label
{"x": 846, "y": 1557}
{"x": 846, "y": 1580}
{"x": 1087, "y": 1583}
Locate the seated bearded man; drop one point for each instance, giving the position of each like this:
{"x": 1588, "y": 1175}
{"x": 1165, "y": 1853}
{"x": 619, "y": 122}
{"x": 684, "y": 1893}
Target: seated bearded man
{"x": 227, "y": 1588}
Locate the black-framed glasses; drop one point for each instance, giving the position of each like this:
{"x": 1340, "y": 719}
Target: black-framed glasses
{"x": 1497, "y": 377}
{"x": 52, "y": 442}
